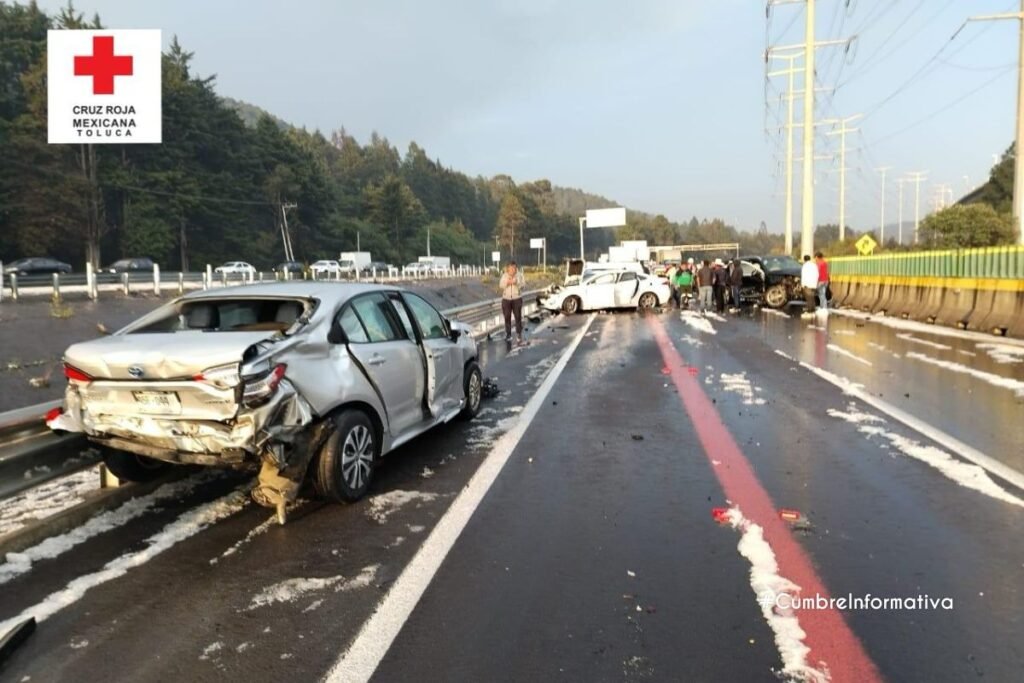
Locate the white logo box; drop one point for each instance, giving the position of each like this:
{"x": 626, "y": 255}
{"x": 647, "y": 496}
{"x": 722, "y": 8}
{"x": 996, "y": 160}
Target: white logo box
{"x": 132, "y": 114}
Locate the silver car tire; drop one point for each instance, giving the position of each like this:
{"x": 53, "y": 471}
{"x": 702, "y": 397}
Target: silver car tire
{"x": 571, "y": 305}
{"x": 647, "y": 300}
{"x": 473, "y": 387}
{"x": 775, "y": 296}
{"x": 345, "y": 464}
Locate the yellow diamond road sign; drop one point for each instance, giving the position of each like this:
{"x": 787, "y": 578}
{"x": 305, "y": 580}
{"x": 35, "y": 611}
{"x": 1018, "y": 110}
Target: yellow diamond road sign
{"x": 866, "y": 245}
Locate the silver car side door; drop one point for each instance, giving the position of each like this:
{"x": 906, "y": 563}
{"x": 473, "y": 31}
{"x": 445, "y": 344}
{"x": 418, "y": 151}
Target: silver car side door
{"x": 443, "y": 357}
{"x": 389, "y": 359}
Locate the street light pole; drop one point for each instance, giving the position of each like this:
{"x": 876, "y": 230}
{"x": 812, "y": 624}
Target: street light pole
{"x": 881, "y": 223}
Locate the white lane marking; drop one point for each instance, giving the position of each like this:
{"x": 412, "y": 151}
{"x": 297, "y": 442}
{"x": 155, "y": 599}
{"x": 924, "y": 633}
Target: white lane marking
{"x": 835, "y": 348}
{"x": 189, "y": 524}
{"x": 995, "y": 380}
{"x": 924, "y": 328}
{"x": 362, "y": 657}
{"x": 768, "y": 585}
{"x": 924, "y": 342}
{"x": 965, "y": 474}
{"x": 257, "y": 530}
{"x": 948, "y": 442}
{"x": 775, "y": 312}
{"x": 55, "y": 546}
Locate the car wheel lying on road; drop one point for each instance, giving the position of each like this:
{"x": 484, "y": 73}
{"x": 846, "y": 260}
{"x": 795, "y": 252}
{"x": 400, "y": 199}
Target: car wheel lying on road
{"x": 571, "y": 305}
{"x": 344, "y": 467}
{"x": 647, "y": 300}
{"x": 473, "y": 385}
{"x": 131, "y": 467}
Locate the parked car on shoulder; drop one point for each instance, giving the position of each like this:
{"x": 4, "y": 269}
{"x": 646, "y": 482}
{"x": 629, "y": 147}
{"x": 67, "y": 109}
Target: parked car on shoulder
{"x": 379, "y": 266}
{"x": 326, "y": 268}
{"x": 293, "y": 267}
{"x": 36, "y": 266}
{"x": 236, "y": 268}
{"x": 417, "y": 268}
{"x": 130, "y": 265}
{"x": 304, "y": 380}
{"x": 622, "y": 288}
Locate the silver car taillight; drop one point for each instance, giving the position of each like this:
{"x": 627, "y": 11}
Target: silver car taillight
{"x": 222, "y": 376}
{"x": 258, "y": 389}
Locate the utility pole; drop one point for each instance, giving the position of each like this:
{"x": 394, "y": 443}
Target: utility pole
{"x": 809, "y": 47}
{"x": 1018, "y": 167}
{"x": 807, "y": 215}
{"x": 790, "y": 71}
{"x": 900, "y": 182}
{"x": 286, "y": 237}
{"x": 917, "y": 177}
{"x": 428, "y": 240}
{"x": 842, "y": 132}
{"x": 881, "y": 223}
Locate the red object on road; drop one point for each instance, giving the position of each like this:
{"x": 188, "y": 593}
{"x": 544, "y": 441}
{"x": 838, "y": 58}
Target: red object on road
{"x": 52, "y": 414}
{"x": 789, "y": 515}
{"x": 719, "y": 515}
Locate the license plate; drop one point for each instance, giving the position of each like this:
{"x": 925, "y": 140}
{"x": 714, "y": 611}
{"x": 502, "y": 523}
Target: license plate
{"x": 157, "y": 402}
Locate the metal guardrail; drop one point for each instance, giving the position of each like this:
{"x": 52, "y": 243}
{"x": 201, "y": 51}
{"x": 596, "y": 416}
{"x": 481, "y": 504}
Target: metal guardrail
{"x": 31, "y": 454}
{"x": 156, "y": 281}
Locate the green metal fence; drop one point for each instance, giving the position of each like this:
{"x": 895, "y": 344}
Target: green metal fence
{"x": 987, "y": 262}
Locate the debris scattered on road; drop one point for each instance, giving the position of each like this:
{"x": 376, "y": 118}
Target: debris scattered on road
{"x": 630, "y": 573}
{"x": 637, "y": 437}
{"x": 427, "y": 473}
{"x": 720, "y": 515}
{"x": 490, "y": 388}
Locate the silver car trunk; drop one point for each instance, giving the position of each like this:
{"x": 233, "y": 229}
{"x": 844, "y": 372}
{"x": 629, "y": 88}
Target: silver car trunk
{"x": 160, "y": 356}
{"x": 155, "y": 375}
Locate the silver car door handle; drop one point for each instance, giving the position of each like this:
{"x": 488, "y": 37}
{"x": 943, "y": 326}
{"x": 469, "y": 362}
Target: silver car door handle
{"x": 377, "y": 360}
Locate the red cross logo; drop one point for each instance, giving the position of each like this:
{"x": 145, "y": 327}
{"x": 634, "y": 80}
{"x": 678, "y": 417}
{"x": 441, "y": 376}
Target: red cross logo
{"x": 103, "y": 65}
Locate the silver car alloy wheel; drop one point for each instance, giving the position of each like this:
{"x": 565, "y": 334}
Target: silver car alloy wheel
{"x": 357, "y": 456}
{"x": 473, "y": 395}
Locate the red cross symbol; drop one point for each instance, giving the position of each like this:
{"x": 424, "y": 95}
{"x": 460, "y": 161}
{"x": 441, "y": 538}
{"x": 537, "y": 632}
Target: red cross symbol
{"x": 103, "y": 65}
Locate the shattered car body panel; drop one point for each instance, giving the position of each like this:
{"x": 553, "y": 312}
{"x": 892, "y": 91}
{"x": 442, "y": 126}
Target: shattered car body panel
{"x": 248, "y": 375}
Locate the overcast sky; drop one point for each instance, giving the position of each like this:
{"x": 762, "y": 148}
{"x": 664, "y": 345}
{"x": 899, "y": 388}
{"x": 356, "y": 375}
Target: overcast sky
{"x": 659, "y": 105}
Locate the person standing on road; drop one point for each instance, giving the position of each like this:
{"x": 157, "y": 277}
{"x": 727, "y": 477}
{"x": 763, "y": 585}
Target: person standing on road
{"x": 511, "y": 285}
{"x": 719, "y": 281}
{"x": 809, "y": 281}
{"x": 819, "y": 258}
{"x": 683, "y": 287}
{"x": 704, "y": 286}
{"x": 735, "y": 282}
{"x": 670, "y": 275}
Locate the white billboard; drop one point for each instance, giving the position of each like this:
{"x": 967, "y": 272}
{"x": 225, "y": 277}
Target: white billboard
{"x": 496, "y": 256}
{"x": 606, "y": 218}
{"x": 536, "y": 243}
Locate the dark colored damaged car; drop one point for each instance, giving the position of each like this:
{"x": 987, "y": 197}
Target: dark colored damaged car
{"x": 779, "y": 281}
{"x": 300, "y": 379}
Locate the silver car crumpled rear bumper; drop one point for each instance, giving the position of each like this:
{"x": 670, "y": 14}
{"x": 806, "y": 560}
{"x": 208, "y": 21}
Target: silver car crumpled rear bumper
{"x": 265, "y": 431}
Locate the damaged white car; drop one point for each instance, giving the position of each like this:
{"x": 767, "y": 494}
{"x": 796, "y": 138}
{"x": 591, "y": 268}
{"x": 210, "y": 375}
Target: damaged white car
{"x": 622, "y": 288}
{"x": 298, "y": 378}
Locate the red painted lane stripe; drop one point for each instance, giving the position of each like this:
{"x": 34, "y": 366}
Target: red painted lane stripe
{"x": 828, "y": 635}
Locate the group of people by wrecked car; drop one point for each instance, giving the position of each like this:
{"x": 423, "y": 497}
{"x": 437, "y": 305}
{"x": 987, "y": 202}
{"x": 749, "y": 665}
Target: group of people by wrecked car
{"x": 706, "y": 283}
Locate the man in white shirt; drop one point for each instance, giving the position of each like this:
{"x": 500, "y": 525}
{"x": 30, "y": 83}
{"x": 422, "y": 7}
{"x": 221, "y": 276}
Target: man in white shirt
{"x": 809, "y": 281}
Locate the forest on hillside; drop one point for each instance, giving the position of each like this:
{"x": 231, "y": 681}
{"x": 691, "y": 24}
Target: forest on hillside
{"x": 220, "y": 185}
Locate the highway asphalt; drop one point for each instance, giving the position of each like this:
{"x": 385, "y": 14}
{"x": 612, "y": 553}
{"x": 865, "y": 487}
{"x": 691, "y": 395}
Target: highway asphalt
{"x": 575, "y": 531}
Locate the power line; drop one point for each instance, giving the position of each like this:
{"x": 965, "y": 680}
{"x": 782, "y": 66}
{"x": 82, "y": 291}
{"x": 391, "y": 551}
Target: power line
{"x": 945, "y": 108}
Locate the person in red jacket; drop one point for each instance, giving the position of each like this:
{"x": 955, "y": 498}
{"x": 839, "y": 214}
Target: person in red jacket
{"x": 822, "y": 280}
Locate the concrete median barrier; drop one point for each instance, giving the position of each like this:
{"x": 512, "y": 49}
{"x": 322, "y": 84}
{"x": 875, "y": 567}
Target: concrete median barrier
{"x": 999, "y": 310}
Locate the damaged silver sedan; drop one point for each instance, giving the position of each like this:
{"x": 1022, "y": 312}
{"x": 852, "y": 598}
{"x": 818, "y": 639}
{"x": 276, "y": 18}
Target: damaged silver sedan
{"x": 298, "y": 378}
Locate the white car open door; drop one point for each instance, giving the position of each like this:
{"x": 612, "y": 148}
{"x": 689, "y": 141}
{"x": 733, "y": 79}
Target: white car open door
{"x": 627, "y": 289}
